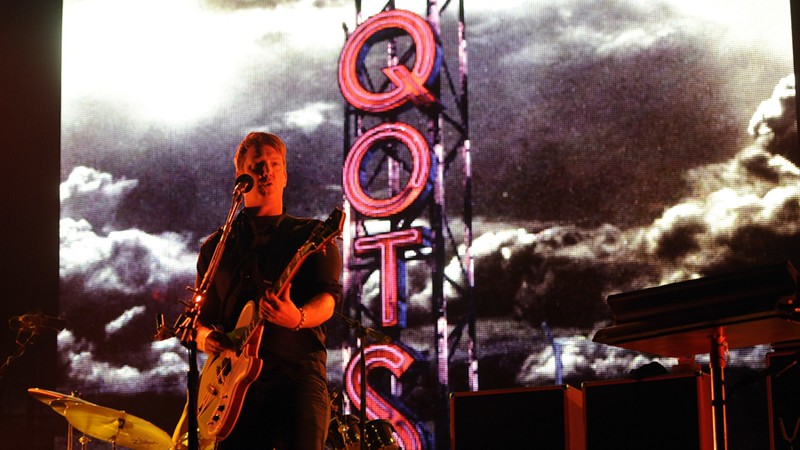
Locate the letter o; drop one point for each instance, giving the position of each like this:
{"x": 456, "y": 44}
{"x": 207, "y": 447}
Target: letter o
{"x": 354, "y": 177}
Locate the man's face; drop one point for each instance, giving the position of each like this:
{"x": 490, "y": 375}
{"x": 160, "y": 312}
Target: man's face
{"x": 268, "y": 169}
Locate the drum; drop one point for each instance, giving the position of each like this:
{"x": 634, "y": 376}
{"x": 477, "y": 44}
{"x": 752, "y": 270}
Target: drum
{"x": 344, "y": 433}
{"x": 380, "y": 435}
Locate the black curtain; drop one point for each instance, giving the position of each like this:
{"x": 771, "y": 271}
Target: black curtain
{"x": 30, "y": 97}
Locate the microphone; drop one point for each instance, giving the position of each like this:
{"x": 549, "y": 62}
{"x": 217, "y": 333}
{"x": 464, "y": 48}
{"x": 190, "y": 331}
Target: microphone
{"x": 36, "y": 321}
{"x": 244, "y": 183}
{"x": 162, "y": 331}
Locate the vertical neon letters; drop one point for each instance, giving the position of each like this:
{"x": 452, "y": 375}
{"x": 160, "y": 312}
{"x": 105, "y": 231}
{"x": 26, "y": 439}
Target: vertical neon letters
{"x": 407, "y": 85}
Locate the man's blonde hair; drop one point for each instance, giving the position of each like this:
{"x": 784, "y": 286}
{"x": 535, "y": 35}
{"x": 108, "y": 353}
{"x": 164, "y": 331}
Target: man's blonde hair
{"x": 254, "y": 141}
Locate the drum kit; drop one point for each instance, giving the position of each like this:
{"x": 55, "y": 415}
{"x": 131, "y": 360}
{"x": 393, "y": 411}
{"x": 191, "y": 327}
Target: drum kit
{"x": 344, "y": 433}
{"x": 118, "y": 428}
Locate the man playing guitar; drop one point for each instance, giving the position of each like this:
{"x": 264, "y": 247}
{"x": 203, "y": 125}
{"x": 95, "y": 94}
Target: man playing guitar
{"x": 284, "y": 403}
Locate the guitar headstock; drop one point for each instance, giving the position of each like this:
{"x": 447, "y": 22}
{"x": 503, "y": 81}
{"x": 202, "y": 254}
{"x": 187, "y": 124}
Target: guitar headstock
{"x": 328, "y": 230}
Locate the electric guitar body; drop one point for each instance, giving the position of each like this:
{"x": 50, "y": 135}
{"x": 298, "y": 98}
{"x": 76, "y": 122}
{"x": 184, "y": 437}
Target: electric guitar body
{"x": 226, "y": 377}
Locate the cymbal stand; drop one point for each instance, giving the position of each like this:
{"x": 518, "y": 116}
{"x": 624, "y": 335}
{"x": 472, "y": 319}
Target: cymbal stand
{"x": 71, "y": 430}
{"x": 84, "y": 440}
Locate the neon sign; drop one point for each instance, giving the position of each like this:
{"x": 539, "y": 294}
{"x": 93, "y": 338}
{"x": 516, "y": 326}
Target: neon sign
{"x": 409, "y": 84}
{"x": 388, "y": 244}
{"x": 396, "y": 360}
{"x": 354, "y": 175}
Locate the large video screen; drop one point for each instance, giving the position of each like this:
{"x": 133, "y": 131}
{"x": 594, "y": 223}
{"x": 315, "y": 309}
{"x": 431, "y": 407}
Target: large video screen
{"x": 615, "y": 146}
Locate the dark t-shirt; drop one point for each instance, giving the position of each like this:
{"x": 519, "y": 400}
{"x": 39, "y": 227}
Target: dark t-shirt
{"x": 258, "y": 251}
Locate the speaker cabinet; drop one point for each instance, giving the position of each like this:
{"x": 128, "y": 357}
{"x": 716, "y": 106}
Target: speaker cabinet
{"x": 544, "y": 418}
{"x": 664, "y": 412}
{"x": 783, "y": 395}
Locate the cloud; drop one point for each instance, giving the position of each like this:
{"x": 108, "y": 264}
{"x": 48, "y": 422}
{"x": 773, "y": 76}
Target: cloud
{"x": 776, "y": 118}
{"x": 129, "y": 261}
{"x": 730, "y": 201}
{"x": 311, "y": 116}
{"x": 126, "y": 261}
{"x": 93, "y": 195}
{"x": 165, "y": 373}
{"x": 734, "y": 208}
{"x": 124, "y": 319}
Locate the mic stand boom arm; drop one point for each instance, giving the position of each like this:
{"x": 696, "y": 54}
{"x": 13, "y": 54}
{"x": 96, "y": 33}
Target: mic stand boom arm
{"x": 186, "y": 329}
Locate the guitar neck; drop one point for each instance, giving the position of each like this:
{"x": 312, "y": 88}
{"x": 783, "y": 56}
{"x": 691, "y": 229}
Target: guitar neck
{"x": 320, "y": 236}
{"x": 291, "y": 269}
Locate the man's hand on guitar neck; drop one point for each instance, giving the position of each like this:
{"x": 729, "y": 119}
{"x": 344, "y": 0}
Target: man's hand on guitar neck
{"x": 283, "y": 312}
{"x": 280, "y": 310}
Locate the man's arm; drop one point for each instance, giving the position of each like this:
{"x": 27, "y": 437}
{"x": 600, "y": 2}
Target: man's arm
{"x": 283, "y": 312}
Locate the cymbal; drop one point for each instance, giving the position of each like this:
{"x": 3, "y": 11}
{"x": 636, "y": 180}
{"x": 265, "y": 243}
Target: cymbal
{"x": 117, "y": 427}
{"x": 56, "y": 400}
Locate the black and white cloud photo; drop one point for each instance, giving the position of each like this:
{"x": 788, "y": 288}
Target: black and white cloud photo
{"x": 615, "y": 146}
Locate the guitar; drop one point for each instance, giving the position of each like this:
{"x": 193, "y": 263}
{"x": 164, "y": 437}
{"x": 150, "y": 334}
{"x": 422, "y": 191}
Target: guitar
{"x": 226, "y": 377}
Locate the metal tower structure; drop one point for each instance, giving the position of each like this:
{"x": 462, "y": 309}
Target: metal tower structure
{"x": 407, "y": 178}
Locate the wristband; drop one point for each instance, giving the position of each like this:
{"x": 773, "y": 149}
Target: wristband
{"x": 302, "y": 319}
{"x": 202, "y": 335}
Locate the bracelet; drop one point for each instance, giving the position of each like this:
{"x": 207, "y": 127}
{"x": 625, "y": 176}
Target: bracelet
{"x": 302, "y": 319}
{"x": 202, "y": 335}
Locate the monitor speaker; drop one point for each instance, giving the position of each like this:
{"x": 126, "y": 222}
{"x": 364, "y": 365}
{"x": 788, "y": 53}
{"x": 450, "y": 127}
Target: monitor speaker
{"x": 663, "y": 412}
{"x": 783, "y": 395}
{"x": 544, "y": 418}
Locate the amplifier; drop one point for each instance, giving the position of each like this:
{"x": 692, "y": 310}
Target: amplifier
{"x": 545, "y": 418}
{"x": 662, "y": 412}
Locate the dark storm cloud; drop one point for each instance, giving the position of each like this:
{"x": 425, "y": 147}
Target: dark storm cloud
{"x": 744, "y": 211}
{"x": 590, "y": 108}
{"x": 114, "y": 281}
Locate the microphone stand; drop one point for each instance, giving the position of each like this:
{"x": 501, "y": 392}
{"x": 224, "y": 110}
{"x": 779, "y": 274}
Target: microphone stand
{"x": 186, "y": 326}
{"x": 362, "y": 332}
